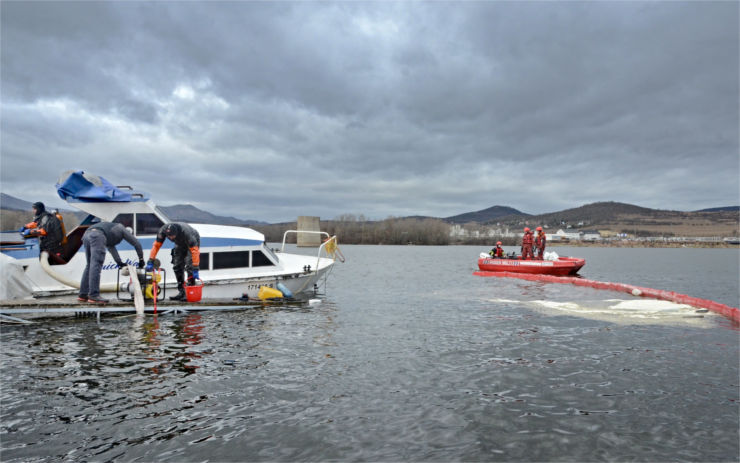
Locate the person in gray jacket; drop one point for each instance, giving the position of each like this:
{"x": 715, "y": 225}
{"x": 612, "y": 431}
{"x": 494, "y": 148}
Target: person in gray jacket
{"x": 96, "y": 239}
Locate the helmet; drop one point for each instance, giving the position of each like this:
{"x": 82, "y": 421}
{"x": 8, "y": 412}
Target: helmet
{"x": 39, "y": 206}
{"x": 498, "y": 243}
{"x": 539, "y": 228}
{"x": 526, "y": 229}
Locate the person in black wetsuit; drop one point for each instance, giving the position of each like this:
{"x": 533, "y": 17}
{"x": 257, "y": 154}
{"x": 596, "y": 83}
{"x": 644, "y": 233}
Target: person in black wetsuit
{"x": 185, "y": 254}
{"x": 47, "y": 227}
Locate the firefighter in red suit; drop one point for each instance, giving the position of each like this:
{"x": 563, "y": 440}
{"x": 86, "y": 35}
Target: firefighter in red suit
{"x": 498, "y": 251}
{"x": 539, "y": 243}
{"x": 527, "y": 242}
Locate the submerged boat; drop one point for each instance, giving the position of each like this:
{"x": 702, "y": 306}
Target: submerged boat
{"x": 558, "y": 266}
{"x": 234, "y": 261}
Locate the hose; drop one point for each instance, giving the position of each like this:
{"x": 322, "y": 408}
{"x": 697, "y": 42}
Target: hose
{"x": 108, "y": 287}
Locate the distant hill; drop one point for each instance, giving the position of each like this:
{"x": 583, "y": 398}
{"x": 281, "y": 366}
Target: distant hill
{"x": 189, "y": 213}
{"x": 593, "y": 213}
{"x": 179, "y": 212}
{"x": 485, "y": 215}
{"x": 628, "y": 218}
{"x": 721, "y": 209}
{"x": 614, "y": 216}
{"x": 12, "y": 203}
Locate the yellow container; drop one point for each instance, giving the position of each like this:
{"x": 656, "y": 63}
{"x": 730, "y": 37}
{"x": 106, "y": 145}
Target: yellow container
{"x": 269, "y": 293}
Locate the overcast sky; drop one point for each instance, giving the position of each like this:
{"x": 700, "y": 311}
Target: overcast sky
{"x": 270, "y": 110}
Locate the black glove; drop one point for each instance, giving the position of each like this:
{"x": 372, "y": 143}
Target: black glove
{"x": 141, "y": 263}
{"x": 120, "y": 264}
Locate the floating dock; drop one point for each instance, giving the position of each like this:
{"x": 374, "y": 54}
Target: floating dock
{"x": 24, "y": 310}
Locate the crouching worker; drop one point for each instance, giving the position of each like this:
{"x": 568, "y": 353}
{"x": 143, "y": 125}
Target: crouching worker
{"x": 498, "y": 251}
{"x": 185, "y": 254}
{"x": 96, "y": 239}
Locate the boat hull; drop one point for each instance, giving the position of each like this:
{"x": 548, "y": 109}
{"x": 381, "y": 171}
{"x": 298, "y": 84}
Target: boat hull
{"x": 561, "y": 267}
{"x": 292, "y": 271}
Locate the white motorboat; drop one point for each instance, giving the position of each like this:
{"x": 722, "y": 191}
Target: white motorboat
{"x": 234, "y": 261}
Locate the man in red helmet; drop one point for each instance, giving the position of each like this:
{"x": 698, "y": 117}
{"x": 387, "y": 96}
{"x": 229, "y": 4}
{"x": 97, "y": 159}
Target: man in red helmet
{"x": 498, "y": 251}
{"x": 527, "y": 242}
{"x": 539, "y": 243}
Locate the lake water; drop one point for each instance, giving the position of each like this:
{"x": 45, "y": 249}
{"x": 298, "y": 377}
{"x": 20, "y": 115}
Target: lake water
{"x": 409, "y": 357}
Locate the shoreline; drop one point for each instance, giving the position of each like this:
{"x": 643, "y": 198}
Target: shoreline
{"x": 630, "y": 244}
{"x": 620, "y": 244}
{"x": 574, "y": 245}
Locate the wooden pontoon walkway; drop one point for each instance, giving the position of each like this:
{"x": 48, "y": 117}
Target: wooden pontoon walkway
{"x": 21, "y": 310}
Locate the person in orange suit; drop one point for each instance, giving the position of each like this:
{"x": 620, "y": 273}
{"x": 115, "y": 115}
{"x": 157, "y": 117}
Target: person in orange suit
{"x": 539, "y": 243}
{"x": 527, "y": 242}
{"x": 498, "y": 251}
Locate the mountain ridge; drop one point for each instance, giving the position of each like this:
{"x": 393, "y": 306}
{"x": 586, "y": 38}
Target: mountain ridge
{"x": 177, "y": 212}
{"x": 607, "y": 213}
{"x": 485, "y": 215}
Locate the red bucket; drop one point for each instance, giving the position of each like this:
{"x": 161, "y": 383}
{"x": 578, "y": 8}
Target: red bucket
{"x": 194, "y": 293}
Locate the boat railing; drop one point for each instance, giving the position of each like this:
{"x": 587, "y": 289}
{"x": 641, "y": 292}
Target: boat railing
{"x": 329, "y": 243}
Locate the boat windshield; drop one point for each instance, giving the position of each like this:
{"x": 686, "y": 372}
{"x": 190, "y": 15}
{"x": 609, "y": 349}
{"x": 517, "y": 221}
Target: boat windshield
{"x": 266, "y": 249}
{"x": 162, "y": 214}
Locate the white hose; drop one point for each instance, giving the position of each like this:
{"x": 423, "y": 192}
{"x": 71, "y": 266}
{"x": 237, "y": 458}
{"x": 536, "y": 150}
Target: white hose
{"x": 66, "y": 281}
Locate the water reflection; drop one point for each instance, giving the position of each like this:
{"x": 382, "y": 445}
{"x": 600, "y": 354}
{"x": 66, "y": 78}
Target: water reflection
{"x": 172, "y": 346}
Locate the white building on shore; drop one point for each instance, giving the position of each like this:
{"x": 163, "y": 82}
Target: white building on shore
{"x": 562, "y": 235}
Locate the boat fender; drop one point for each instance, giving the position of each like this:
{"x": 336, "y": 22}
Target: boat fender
{"x": 283, "y": 289}
{"x": 266, "y": 292}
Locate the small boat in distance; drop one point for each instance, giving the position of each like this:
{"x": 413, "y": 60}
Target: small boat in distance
{"x": 559, "y": 266}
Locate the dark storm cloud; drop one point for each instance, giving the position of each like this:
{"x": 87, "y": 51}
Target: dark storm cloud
{"x": 270, "y": 110}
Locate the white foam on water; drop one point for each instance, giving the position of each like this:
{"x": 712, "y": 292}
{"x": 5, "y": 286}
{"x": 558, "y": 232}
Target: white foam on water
{"x": 507, "y": 301}
{"x": 626, "y": 312}
{"x": 650, "y": 305}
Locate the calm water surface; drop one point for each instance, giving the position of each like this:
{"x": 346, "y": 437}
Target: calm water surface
{"x": 408, "y": 357}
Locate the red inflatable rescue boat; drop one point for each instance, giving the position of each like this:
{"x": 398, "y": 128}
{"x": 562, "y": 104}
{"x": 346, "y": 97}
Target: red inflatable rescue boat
{"x": 561, "y": 266}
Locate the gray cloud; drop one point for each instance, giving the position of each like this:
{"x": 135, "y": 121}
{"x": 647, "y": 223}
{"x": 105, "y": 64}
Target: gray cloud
{"x": 272, "y": 110}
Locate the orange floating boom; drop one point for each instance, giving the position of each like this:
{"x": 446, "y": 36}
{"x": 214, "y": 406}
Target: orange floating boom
{"x": 733, "y": 313}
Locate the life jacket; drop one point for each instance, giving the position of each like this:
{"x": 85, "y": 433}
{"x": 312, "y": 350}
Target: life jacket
{"x": 61, "y": 224}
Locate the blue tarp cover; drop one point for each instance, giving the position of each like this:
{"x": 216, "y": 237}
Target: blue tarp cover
{"x": 86, "y": 187}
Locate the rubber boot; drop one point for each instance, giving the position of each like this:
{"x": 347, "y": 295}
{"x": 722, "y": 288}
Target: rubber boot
{"x": 180, "y": 296}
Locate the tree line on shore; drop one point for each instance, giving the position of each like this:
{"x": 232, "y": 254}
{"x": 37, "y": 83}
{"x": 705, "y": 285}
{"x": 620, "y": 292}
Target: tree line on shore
{"x": 351, "y": 229}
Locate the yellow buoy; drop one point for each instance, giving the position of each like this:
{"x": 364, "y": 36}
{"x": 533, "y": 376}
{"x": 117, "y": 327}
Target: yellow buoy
{"x": 269, "y": 293}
